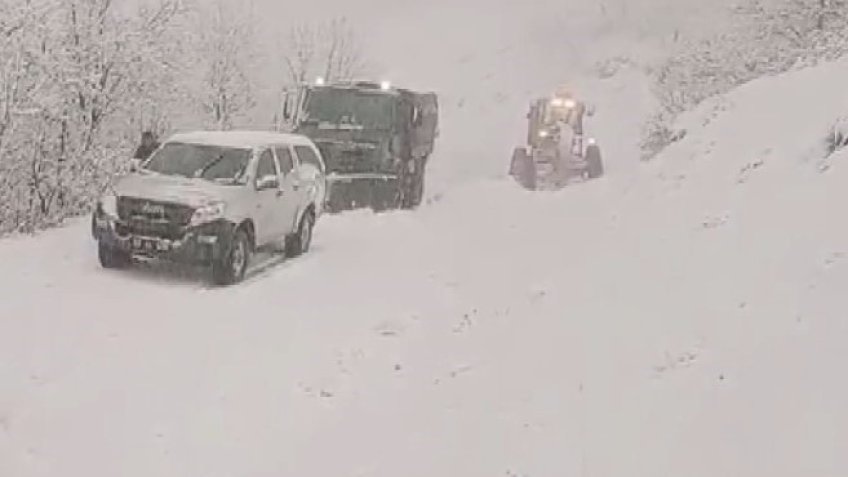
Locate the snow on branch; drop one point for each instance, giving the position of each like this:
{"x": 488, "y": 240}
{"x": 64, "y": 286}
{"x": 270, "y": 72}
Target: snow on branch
{"x": 331, "y": 50}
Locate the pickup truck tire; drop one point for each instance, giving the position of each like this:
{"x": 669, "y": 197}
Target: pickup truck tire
{"x": 232, "y": 266}
{"x": 299, "y": 243}
{"x": 111, "y": 257}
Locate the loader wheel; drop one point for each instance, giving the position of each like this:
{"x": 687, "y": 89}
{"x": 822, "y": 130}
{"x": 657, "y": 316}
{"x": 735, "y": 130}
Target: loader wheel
{"x": 594, "y": 164}
{"x": 523, "y": 169}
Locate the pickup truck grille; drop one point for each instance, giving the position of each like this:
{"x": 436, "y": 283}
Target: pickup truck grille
{"x": 153, "y": 218}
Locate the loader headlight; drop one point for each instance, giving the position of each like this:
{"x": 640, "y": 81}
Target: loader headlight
{"x": 208, "y": 213}
{"x": 544, "y": 134}
{"x": 557, "y": 102}
{"x": 591, "y": 141}
{"x": 569, "y": 103}
{"x": 108, "y": 205}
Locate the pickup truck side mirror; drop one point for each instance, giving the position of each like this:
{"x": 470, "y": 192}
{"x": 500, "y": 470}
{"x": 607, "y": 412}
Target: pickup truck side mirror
{"x": 267, "y": 182}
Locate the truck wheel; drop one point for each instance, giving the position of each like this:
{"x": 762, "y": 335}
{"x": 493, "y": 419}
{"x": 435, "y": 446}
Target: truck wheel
{"x": 414, "y": 191}
{"x": 594, "y": 164}
{"x": 111, "y": 257}
{"x": 231, "y": 268}
{"x": 418, "y": 189}
{"x": 299, "y": 243}
{"x": 411, "y": 186}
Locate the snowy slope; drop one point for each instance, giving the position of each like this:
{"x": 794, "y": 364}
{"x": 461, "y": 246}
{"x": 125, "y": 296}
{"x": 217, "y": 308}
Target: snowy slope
{"x": 686, "y": 318}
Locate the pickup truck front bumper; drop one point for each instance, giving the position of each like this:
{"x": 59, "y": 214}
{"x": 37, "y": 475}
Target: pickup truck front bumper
{"x": 201, "y": 244}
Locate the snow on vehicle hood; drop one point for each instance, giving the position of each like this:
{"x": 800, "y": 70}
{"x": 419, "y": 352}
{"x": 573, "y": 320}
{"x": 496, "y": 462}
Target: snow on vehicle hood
{"x": 174, "y": 189}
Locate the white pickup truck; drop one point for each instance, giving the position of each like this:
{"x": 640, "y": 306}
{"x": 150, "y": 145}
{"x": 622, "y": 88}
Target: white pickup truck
{"x": 214, "y": 198}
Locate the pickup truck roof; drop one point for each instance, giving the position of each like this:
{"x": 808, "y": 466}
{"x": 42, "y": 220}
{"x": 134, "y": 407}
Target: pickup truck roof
{"x": 240, "y": 139}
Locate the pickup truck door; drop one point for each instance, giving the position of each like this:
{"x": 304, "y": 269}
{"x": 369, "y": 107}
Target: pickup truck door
{"x": 311, "y": 171}
{"x": 291, "y": 189}
{"x": 268, "y": 197}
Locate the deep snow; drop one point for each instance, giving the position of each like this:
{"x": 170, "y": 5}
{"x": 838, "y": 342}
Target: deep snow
{"x": 682, "y": 317}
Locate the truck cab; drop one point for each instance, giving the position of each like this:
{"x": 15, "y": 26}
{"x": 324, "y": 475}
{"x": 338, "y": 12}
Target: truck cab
{"x": 376, "y": 140}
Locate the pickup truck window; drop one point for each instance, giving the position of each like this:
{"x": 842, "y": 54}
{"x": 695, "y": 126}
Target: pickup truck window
{"x": 265, "y": 167}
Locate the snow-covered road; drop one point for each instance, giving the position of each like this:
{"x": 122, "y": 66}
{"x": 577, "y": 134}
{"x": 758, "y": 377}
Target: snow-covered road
{"x": 495, "y": 331}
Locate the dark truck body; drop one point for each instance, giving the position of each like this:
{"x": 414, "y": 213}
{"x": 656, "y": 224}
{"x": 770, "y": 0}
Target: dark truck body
{"x": 375, "y": 141}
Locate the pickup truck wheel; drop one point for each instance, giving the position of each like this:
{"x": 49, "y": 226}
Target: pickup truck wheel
{"x": 232, "y": 267}
{"x": 299, "y": 243}
{"x": 111, "y": 257}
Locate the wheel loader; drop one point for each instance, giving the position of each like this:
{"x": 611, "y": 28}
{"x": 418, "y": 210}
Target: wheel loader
{"x": 556, "y": 153}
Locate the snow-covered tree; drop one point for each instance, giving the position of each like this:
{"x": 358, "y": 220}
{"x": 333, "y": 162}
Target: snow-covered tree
{"x": 331, "y": 50}
{"x": 343, "y": 57}
{"x": 225, "y": 52}
{"x": 71, "y": 73}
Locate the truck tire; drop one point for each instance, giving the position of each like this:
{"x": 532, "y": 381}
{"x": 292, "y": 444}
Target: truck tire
{"x": 299, "y": 243}
{"x": 111, "y": 257}
{"x": 417, "y": 193}
{"x": 411, "y": 185}
{"x": 594, "y": 163}
{"x": 232, "y": 266}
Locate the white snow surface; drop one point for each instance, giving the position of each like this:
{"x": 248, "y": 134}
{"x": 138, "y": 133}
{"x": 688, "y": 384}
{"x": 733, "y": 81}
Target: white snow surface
{"x": 682, "y": 317}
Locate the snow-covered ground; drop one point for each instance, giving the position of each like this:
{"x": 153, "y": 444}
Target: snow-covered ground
{"x": 683, "y": 317}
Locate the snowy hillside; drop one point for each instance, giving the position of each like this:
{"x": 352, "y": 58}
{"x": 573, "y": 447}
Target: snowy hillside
{"x": 685, "y": 318}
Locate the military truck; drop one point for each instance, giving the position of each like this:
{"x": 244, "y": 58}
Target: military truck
{"x": 375, "y": 140}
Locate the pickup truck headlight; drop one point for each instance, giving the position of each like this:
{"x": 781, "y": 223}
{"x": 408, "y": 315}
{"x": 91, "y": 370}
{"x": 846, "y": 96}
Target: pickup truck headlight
{"x": 208, "y": 213}
{"x": 108, "y": 205}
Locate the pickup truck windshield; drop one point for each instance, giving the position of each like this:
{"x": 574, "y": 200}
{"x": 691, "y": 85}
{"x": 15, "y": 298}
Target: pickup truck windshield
{"x": 213, "y": 163}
